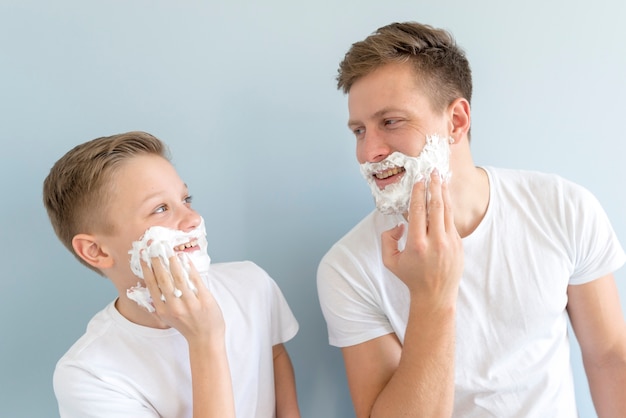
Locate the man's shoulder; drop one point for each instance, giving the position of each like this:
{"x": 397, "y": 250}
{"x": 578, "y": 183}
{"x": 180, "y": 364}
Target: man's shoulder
{"x": 368, "y": 229}
{"x": 361, "y": 245}
{"x": 521, "y": 175}
{"x": 538, "y": 180}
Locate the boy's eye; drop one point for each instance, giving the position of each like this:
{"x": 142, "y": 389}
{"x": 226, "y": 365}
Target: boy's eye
{"x": 160, "y": 209}
{"x": 358, "y": 131}
{"x": 188, "y": 200}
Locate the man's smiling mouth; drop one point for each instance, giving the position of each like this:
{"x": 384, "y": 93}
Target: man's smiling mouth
{"x": 388, "y": 173}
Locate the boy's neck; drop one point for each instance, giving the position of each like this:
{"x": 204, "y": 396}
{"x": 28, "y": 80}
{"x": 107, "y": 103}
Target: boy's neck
{"x": 137, "y": 314}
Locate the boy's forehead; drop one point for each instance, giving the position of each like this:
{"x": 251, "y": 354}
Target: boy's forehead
{"x": 140, "y": 180}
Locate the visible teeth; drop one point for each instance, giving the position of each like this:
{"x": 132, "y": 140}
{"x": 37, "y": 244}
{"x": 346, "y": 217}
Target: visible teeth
{"x": 189, "y": 244}
{"x": 388, "y": 173}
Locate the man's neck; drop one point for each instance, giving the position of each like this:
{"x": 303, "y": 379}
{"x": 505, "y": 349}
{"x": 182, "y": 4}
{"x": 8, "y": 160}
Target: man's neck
{"x": 470, "y": 199}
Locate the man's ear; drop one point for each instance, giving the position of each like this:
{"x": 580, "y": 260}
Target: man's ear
{"x": 460, "y": 119}
{"x": 90, "y": 250}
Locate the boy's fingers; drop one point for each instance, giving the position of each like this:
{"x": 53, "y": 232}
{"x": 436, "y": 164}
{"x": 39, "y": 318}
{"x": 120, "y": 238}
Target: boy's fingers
{"x": 151, "y": 282}
{"x": 178, "y": 273}
{"x": 195, "y": 278}
{"x": 163, "y": 277}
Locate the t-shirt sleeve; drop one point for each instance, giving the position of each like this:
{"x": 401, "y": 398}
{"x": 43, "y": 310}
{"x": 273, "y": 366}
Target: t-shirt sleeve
{"x": 350, "y": 306}
{"x": 284, "y": 323}
{"x": 597, "y": 251}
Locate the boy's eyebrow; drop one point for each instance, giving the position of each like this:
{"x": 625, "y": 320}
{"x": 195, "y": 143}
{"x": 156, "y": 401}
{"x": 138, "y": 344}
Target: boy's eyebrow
{"x": 152, "y": 195}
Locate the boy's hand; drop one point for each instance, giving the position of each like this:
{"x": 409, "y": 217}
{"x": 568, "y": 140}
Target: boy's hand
{"x": 196, "y": 315}
{"x": 431, "y": 263}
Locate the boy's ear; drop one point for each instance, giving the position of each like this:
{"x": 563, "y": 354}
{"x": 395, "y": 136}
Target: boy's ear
{"x": 90, "y": 250}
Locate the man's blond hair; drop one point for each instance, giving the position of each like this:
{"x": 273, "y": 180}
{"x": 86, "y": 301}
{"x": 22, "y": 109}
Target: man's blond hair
{"x": 440, "y": 65}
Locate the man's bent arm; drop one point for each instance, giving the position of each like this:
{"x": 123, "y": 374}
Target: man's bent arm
{"x": 598, "y": 322}
{"x": 387, "y": 379}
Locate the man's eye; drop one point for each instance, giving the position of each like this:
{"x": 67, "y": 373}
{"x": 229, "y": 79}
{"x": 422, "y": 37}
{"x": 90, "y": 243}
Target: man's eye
{"x": 160, "y": 209}
{"x": 390, "y": 121}
{"x": 188, "y": 200}
{"x": 358, "y": 131}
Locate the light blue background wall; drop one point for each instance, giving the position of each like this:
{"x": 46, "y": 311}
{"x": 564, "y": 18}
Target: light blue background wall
{"x": 243, "y": 92}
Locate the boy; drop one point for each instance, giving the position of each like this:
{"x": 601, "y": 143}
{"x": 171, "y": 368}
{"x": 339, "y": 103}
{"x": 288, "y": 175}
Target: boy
{"x": 188, "y": 348}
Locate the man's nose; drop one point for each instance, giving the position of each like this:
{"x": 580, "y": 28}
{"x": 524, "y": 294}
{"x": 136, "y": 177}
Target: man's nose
{"x": 372, "y": 147}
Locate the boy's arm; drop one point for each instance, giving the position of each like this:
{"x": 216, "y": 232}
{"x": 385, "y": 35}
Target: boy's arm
{"x": 598, "y": 322}
{"x": 211, "y": 382}
{"x": 198, "y": 317}
{"x": 284, "y": 384}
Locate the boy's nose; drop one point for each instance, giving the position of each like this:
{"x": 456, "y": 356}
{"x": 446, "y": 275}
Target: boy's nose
{"x": 190, "y": 219}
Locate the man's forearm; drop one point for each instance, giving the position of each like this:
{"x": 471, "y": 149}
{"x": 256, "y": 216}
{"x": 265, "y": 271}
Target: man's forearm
{"x": 607, "y": 383}
{"x": 423, "y": 383}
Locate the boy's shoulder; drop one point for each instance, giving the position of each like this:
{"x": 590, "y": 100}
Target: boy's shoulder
{"x": 243, "y": 267}
{"x": 243, "y": 273}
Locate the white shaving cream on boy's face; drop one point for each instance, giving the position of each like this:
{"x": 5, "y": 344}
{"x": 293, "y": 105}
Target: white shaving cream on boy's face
{"x": 395, "y": 197}
{"x": 164, "y": 243}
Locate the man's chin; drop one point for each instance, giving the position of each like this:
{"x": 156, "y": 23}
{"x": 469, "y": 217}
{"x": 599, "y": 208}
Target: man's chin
{"x": 391, "y": 206}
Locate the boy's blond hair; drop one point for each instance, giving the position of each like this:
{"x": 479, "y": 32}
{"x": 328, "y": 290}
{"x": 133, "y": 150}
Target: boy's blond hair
{"x": 77, "y": 190}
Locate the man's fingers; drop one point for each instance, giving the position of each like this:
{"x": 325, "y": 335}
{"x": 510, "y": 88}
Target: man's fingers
{"x": 417, "y": 215}
{"x": 447, "y": 204}
{"x": 389, "y": 243}
{"x": 435, "y": 205}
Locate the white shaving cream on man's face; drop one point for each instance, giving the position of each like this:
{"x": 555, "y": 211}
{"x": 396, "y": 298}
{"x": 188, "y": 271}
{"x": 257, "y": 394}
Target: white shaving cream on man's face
{"x": 164, "y": 243}
{"x": 396, "y": 197}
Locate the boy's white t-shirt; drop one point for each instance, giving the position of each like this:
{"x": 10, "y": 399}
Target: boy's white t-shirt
{"x": 121, "y": 369}
{"x": 539, "y": 235}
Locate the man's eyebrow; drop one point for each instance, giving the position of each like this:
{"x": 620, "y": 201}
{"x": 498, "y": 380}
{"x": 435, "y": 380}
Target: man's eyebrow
{"x": 380, "y": 113}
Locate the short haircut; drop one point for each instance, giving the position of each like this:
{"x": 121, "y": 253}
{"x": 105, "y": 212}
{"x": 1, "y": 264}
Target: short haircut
{"x": 78, "y": 188}
{"x": 440, "y": 65}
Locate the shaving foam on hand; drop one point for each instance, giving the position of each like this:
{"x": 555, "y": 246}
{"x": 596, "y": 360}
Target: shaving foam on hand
{"x": 160, "y": 242}
{"x": 395, "y": 198}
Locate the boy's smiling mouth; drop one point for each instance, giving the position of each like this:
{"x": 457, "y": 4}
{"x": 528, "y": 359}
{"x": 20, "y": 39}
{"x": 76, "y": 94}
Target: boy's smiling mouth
{"x": 189, "y": 246}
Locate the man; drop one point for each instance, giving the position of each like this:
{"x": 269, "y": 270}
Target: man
{"x": 457, "y": 303}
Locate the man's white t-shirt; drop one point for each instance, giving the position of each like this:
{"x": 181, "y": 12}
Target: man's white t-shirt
{"x": 539, "y": 235}
{"x": 121, "y": 369}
